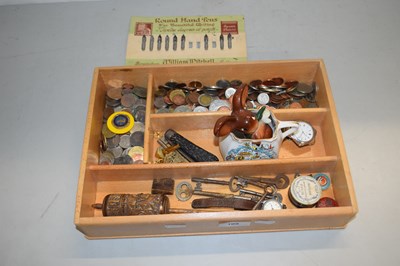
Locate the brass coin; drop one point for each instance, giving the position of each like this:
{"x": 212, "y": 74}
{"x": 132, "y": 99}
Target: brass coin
{"x": 106, "y": 132}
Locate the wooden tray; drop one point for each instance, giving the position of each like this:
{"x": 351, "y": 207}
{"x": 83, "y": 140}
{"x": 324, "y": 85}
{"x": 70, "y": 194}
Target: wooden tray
{"x": 327, "y": 155}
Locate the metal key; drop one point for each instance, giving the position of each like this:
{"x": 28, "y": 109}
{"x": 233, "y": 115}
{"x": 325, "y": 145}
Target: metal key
{"x": 281, "y": 181}
{"x": 210, "y": 181}
{"x": 198, "y": 191}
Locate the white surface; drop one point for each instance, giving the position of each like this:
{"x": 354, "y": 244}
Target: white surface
{"x": 47, "y": 56}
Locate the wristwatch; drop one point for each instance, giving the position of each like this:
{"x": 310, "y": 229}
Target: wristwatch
{"x": 305, "y": 134}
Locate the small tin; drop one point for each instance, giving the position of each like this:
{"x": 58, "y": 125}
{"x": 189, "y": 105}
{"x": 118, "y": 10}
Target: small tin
{"x": 323, "y": 180}
{"x": 327, "y": 202}
{"x": 305, "y": 192}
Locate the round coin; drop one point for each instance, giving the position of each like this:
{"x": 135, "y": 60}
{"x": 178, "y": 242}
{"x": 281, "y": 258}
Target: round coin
{"x": 263, "y": 98}
{"x": 304, "y": 88}
{"x": 136, "y": 153}
{"x": 223, "y": 83}
{"x": 114, "y": 93}
{"x": 140, "y": 91}
{"x": 113, "y": 142}
{"x": 159, "y": 102}
{"x": 139, "y": 126}
{"x": 137, "y": 139}
{"x": 200, "y": 109}
{"x": 229, "y": 92}
{"x": 123, "y": 160}
{"x": 117, "y": 151}
{"x": 124, "y": 141}
{"x": 205, "y": 100}
{"x": 128, "y": 100}
{"x": 182, "y": 109}
{"x": 106, "y": 132}
{"x": 115, "y": 83}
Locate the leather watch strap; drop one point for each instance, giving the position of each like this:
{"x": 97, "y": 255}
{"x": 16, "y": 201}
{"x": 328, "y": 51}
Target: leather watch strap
{"x": 237, "y": 204}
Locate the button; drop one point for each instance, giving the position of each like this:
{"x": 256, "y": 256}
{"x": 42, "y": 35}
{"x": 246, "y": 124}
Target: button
{"x": 323, "y": 180}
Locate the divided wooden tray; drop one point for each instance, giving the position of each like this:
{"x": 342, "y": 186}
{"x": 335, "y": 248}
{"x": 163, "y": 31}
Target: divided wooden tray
{"x": 327, "y": 155}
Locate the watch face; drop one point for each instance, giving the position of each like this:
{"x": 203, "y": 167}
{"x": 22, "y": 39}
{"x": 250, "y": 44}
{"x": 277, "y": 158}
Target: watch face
{"x": 272, "y": 205}
{"x": 304, "y": 134}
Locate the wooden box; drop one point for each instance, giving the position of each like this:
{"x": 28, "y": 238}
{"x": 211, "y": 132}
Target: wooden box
{"x": 327, "y": 155}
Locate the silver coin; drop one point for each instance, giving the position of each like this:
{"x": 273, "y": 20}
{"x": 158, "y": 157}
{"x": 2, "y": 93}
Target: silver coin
{"x": 126, "y": 151}
{"x": 217, "y": 104}
{"x": 163, "y": 111}
{"x": 126, "y": 91}
{"x": 140, "y": 102}
{"x": 140, "y": 115}
{"x": 137, "y": 126}
{"x": 223, "y": 83}
{"x": 182, "y": 109}
{"x": 113, "y": 141}
{"x": 124, "y": 141}
{"x": 200, "y": 109}
{"x": 117, "y": 151}
{"x": 123, "y": 160}
{"x": 304, "y": 88}
{"x": 137, "y": 139}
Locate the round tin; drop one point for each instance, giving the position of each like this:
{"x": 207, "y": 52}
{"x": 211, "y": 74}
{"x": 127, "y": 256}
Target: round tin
{"x": 305, "y": 192}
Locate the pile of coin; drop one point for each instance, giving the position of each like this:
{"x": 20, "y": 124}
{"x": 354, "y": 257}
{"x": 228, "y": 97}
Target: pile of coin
{"x": 123, "y": 124}
{"x": 195, "y": 97}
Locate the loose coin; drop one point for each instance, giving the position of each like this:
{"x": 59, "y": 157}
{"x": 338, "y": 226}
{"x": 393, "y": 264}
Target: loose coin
{"x": 124, "y": 141}
{"x": 113, "y": 142}
{"x": 263, "y": 98}
{"x": 200, "y": 109}
{"x": 140, "y": 115}
{"x": 217, "y": 105}
{"x": 196, "y": 84}
{"x": 106, "y": 132}
{"x": 115, "y": 83}
{"x": 223, "y": 83}
{"x": 159, "y": 102}
{"x": 107, "y": 112}
{"x": 139, "y": 126}
{"x": 128, "y": 100}
{"x": 136, "y": 153}
{"x": 140, "y": 91}
{"x": 183, "y": 109}
{"x": 193, "y": 98}
{"x": 304, "y": 88}
{"x": 205, "y": 100}
{"x": 123, "y": 160}
{"x": 117, "y": 151}
{"x": 229, "y": 92}
{"x": 114, "y": 93}
{"x": 137, "y": 139}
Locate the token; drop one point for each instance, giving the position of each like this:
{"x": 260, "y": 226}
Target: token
{"x": 323, "y": 180}
{"x": 120, "y": 122}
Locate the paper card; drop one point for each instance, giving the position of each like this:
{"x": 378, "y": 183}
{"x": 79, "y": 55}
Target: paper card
{"x": 186, "y": 40}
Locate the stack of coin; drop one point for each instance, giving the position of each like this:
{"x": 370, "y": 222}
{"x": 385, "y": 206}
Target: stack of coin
{"x": 195, "y": 97}
{"x": 124, "y": 136}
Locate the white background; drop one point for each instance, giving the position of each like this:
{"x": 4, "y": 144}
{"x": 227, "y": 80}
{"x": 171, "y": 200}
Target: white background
{"x": 47, "y": 56}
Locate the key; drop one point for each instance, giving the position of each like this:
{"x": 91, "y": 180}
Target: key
{"x": 210, "y": 181}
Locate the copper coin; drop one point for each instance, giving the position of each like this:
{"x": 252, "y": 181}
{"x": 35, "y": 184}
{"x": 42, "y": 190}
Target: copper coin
{"x": 128, "y": 86}
{"x": 114, "y": 93}
{"x": 179, "y": 100}
{"x": 196, "y": 84}
{"x": 295, "y": 105}
{"x": 193, "y": 97}
{"x": 115, "y": 83}
{"x": 107, "y": 112}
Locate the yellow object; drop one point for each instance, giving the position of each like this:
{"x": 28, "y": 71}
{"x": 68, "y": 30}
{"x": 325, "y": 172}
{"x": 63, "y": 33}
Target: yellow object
{"x": 120, "y": 122}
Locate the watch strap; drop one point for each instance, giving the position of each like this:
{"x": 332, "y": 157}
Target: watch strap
{"x": 237, "y": 204}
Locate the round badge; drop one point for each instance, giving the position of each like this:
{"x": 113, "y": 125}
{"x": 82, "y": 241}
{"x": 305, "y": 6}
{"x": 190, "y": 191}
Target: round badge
{"x": 263, "y": 98}
{"x": 323, "y": 180}
{"x": 120, "y": 122}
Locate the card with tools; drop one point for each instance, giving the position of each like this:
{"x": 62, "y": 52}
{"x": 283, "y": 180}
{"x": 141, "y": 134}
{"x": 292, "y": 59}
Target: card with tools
{"x": 186, "y": 40}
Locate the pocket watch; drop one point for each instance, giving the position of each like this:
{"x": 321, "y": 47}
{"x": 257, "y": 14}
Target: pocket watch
{"x": 273, "y": 204}
{"x": 305, "y": 134}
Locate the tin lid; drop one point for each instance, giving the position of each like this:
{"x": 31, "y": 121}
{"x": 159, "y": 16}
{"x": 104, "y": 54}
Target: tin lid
{"x": 305, "y": 191}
